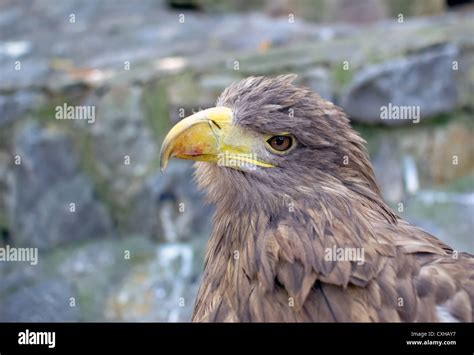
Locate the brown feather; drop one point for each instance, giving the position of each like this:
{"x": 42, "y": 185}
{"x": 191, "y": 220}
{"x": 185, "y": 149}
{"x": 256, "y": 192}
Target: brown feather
{"x": 281, "y": 273}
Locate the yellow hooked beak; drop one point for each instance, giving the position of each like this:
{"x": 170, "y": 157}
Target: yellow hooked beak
{"x": 210, "y": 136}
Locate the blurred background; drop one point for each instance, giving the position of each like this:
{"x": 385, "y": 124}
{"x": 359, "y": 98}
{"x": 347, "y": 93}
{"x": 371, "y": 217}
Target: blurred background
{"x": 118, "y": 240}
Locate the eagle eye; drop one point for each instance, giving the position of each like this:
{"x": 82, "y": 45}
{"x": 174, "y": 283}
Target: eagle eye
{"x": 280, "y": 143}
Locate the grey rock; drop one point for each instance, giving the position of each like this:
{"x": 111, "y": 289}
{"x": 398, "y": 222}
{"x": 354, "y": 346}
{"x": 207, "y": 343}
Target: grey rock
{"x": 216, "y": 83}
{"x": 388, "y": 172}
{"x": 123, "y": 145}
{"x": 192, "y": 94}
{"x": 13, "y": 106}
{"x": 163, "y": 289}
{"x": 465, "y": 77}
{"x": 446, "y": 215}
{"x": 169, "y": 207}
{"x": 33, "y": 70}
{"x": 410, "y": 174}
{"x": 98, "y": 267}
{"x": 5, "y": 161}
{"x": 14, "y": 49}
{"x": 90, "y": 272}
{"x": 406, "y": 159}
{"x": 44, "y": 185}
{"x": 19, "y": 274}
{"x": 363, "y": 11}
{"x": 47, "y": 301}
{"x": 319, "y": 80}
{"x": 423, "y": 80}
{"x": 434, "y": 148}
{"x": 264, "y": 29}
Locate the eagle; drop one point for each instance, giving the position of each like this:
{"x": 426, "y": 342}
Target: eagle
{"x": 301, "y": 232}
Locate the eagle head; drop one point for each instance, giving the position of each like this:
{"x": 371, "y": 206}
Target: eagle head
{"x": 267, "y": 140}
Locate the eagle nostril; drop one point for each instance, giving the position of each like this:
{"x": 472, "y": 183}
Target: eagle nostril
{"x": 215, "y": 123}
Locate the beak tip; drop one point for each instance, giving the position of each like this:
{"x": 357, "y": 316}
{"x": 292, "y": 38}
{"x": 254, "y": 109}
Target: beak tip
{"x": 163, "y": 158}
{"x": 163, "y": 166}
{"x": 163, "y": 162}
